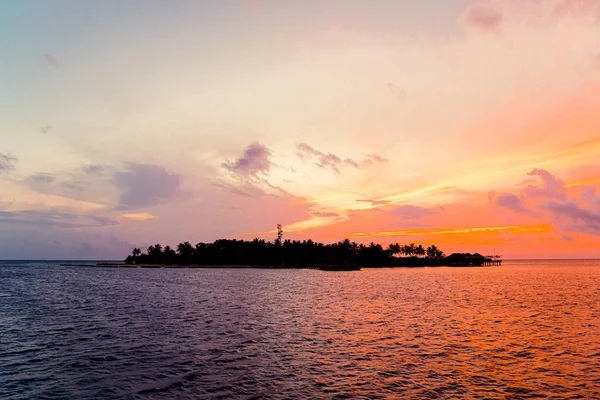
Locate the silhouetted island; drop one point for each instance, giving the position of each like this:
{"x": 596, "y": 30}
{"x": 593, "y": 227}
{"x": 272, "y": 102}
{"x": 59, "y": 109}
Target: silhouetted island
{"x": 259, "y": 253}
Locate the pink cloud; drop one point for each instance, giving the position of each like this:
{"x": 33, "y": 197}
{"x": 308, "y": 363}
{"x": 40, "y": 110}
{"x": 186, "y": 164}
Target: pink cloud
{"x": 255, "y": 160}
{"x": 511, "y": 202}
{"x": 588, "y": 195}
{"x": 490, "y": 16}
{"x": 483, "y": 16}
{"x": 573, "y": 210}
{"x": 551, "y": 187}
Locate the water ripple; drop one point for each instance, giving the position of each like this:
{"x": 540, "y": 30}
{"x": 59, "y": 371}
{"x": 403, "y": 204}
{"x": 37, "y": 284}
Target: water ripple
{"x": 521, "y": 331}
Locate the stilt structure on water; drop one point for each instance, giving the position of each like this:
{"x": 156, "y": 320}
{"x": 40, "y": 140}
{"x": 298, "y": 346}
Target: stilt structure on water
{"x": 472, "y": 260}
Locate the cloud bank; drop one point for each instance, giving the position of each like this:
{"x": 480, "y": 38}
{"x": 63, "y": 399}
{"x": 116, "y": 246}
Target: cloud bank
{"x": 144, "y": 185}
{"x": 549, "y": 198}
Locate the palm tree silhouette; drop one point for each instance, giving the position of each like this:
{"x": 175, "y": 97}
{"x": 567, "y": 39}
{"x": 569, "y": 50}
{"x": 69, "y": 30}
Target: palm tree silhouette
{"x": 185, "y": 251}
{"x": 394, "y": 248}
{"x": 419, "y": 251}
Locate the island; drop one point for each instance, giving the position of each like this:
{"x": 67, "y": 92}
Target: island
{"x": 345, "y": 255}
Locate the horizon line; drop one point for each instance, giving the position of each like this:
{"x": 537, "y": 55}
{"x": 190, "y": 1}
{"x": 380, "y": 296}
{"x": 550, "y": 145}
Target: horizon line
{"x": 88, "y": 259}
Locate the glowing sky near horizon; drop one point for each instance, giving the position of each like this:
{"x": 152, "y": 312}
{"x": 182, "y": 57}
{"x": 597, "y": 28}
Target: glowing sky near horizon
{"x": 470, "y": 124}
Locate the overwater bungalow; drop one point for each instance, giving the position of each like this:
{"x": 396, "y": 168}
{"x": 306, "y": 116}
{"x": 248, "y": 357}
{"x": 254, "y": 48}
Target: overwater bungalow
{"x": 472, "y": 260}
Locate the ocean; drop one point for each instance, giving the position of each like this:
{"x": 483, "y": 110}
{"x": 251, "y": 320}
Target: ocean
{"x": 527, "y": 329}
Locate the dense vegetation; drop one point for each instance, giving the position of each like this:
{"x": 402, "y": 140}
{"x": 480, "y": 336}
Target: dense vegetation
{"x": 288, "y": 253}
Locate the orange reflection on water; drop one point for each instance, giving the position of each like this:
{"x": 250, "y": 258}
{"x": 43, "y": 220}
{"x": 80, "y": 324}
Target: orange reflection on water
{"x": 513, "y": 331}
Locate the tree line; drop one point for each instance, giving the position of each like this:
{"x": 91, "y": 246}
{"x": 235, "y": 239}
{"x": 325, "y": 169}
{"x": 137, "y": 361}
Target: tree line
{"x": 288, "y": 253}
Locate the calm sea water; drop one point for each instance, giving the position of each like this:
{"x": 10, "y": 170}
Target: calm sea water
{"x": 523, "y": 330}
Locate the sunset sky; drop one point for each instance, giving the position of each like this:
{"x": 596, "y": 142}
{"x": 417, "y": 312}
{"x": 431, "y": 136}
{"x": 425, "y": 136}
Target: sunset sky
{"x": 472, "y": 125}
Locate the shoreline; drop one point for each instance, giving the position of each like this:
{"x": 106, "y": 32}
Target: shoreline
{"x": 173, "y": 266}
{"x": 198, "y": 266}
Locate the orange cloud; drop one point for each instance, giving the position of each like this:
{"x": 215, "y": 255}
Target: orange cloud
{"x": 471, "y": 231}
{"x": 315, "y": 222}
{"x": 137, "y": 217}
{"x": 591, "y": 182}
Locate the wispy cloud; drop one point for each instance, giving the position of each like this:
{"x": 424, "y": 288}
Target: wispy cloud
{"x": 55, "y": 219}
{"x": 333, "y": 162}
{"x": 374, "y": 202}
{"x": 7, "y": 162}
{"x": 40, "y": 182}
{"x": 484, "y": 230}
{"x": 94, "y": 169}
{"x": 91, "y": 184}
{"x": 137, "y": 217}
{"x": 324, "y": 214}
{"x": 255, "y": 188}
{"x": 314, "y": 222}
{"x": 412, "y": 212}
